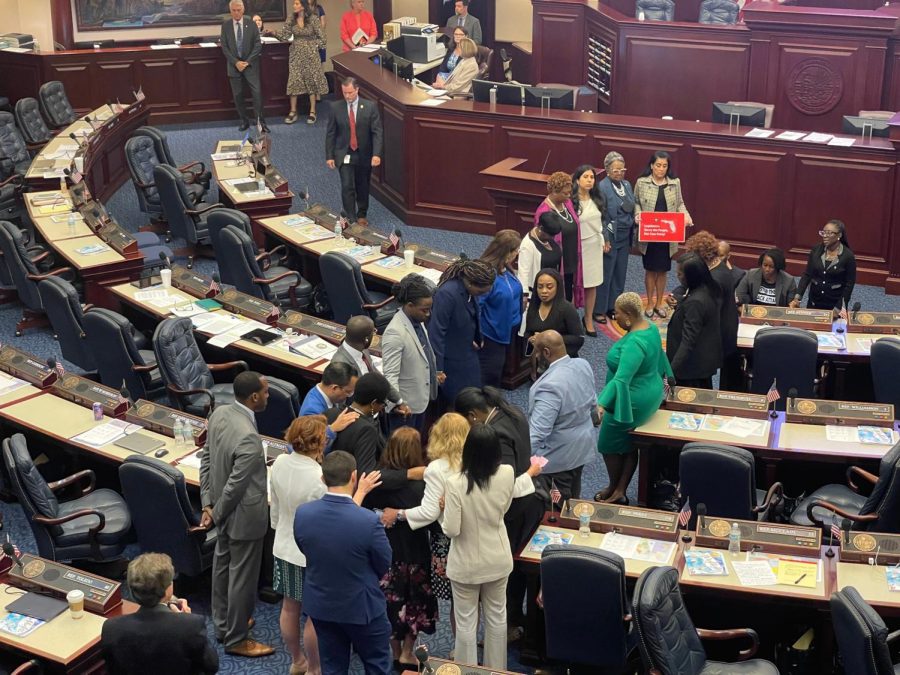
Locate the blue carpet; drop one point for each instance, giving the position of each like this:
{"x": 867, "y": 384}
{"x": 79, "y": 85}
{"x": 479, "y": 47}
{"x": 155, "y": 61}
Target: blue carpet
{"x": 298, "y": 150}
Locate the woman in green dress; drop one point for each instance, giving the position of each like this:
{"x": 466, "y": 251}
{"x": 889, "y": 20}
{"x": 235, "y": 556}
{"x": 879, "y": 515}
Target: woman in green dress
{"x": 637, "y": 366}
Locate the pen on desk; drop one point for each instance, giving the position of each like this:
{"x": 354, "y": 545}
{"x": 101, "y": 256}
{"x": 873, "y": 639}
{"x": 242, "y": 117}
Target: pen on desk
{"x": 800, "y": 578}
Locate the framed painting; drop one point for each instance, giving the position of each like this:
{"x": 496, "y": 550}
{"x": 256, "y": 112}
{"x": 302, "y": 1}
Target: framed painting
{"x": 126, "y": 14}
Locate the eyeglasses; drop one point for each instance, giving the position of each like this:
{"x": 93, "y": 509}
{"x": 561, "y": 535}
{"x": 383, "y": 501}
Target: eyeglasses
{"x": 828, "y": 233}
{"x": 622, "y": 170}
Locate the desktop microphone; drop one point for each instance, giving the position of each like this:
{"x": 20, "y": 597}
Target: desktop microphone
{"x": 165, "y": 259}
{"x": 124, "y": 393}
{"x": 701, "y": 514}
{"x": 10, "y": 550}
{"x": 853, "y": 310}
{"x": 792, "y": 397}
{"x": 546, "y": 159}
{"x": 421, "y": 654}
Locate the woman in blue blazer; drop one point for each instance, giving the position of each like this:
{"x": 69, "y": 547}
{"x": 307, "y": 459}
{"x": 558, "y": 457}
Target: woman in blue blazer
{"x": 618, "y": 222}
{"x": 455, "y": 325}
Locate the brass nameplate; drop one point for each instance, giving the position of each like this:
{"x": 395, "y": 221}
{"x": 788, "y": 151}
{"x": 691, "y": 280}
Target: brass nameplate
{"x": 198, "y": 285}
{"x": 766, "y": 537}
{"x": 366, "y": 236}
{"x": 119, "y": 239}
{"x": 101, "y": 595}
{"x": 322, "y": 216}
{"x": 86, "y": 392}
{"x": 883, "y": 323}
{"x": 310, "y": 325}
{"x": 442, "y": 667}
{"x": 623, "y": 519}
{"x": 712, "y": 402}
{"x": 849, "y": 413}
{"x": 431, "y": 258}
{"x": 161, "y": 419}
{"x": 274, "y": 447}
{"x": 249, "y": 306}
{"x": 26, "y": 366}
{"x": 860, "y": 546}
{"x": 811, "y": 319}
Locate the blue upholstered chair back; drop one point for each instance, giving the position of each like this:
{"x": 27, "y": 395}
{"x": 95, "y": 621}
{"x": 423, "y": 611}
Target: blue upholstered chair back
{"x": 732, "y": 494}
{"x": 110, "y": 338}
{"x": 63, "y": 308}
{"x": 55, "y": 104}
{"x": 32, "y": 125}
{"x": 178, "y": 356}
{"x": 861, "y": 635}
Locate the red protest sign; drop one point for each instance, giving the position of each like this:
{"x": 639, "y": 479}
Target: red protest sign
{"x": 661, "y": 226}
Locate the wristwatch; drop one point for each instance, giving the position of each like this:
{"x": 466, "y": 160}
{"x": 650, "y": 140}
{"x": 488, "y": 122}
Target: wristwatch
{"x": 401, "y": 516}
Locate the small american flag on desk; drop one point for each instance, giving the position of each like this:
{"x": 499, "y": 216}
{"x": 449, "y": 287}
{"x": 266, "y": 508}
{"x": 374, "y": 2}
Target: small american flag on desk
{"x": 843, "y": 313}
{"x": 667, "y": 388}
{"x": 394, "y": 238}
{"x": 835, "y": 529}
{"x": 555, "y": 494}
{"x": 684, "y": 516}
{"x": 772, "y": 395}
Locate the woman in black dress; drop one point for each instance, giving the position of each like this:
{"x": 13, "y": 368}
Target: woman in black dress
{"x": 830, "y": 271}
{"x": 549, "y": 310}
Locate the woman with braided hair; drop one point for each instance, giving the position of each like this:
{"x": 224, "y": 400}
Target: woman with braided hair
{"x": 455, "y": 325}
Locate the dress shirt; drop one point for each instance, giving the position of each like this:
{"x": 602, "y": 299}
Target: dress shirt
{"x": 358, "y": 359}
{"x": 559, "y": 415}
{"x": 239, "y": 37}
{"x": 295, "y": 479}
{"x": 249, "y": 412}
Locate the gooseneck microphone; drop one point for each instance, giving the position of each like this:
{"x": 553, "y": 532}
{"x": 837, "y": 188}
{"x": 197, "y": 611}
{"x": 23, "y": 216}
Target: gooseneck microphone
{"x": 422, "y": 655}
{"x": 792, "y": 397}
{"x": 165, "y": 259}
{"x": 10, "y": 550}
{"x": 853, "y": 310}
{"x": 701, "y": 514}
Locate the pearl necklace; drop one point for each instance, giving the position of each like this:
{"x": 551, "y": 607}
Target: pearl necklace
{"x": 619, "y": 189}
{"x": 564, "y": 214}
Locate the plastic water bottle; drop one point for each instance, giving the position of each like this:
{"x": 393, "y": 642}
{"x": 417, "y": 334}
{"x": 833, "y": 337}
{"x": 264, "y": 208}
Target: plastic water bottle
{"x": 492, "y": 96}
{"x": 179, "y": 434}
{"x": 71, "y": 222}
{"x": 734, "y": 540}
{"x": 584, "y": 525}
{"x": 338, "y": 231}
{"x": 260, "y": 185}
{"x": 187, "y": 434}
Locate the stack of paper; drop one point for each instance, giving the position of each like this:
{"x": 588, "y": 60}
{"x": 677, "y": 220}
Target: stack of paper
{"x": 542, "y": 540}
{"x": 754, "y": 572}
{"x": 705, "y": 563}
{"x": 92, "y": 249}
{"x": 312, "y": 347}
{"x": 9, "y": 384}
{"x": 861, "y": 434}
{"x": 100, "y": 435}
{"x": 192, "y": 460}
{"x": 638, "y": 548}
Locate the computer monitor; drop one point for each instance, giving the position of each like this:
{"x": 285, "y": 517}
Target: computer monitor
{"x": 557, "y": 98}
{"x": 739, "y": 115}
{"x": 397, "y": 46}
{"x": 865, "y": 126}
{"x": 403, "y": 68}
{"x": 481, "y": 90}
{"x": 510, "y": 94}
{"x": 383, "y": 58}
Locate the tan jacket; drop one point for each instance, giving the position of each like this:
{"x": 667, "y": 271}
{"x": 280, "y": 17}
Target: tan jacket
{"x": 645, "y": 191}
{"x": 460, "y": 80}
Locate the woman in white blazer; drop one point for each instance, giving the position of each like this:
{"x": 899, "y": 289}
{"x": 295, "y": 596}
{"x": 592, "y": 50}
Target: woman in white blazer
{"x": 480, "y": 561}
{"x": 460, "y": 80}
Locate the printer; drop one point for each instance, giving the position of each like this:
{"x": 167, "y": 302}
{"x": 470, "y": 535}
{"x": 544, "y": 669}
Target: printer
{"x": 419, "y": 28}
{"x": 423, "y": 48}
{"x": 16, "y": 40}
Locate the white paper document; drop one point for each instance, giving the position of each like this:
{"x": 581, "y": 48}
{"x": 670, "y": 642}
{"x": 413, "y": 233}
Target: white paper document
{"x": 790, "y": 136}
{"x": 754, "y": 572}
{"x": 100, "y": 435}
{"x": 638, "y": 548}
{"x": 816, "y": 137}
{"x": 759, "y": 133}
{"x": 211, "y": 44}
{"x": 192, "y": 459}
{"x": 312, "y": 347}
{"x": 842, "y": 142}
{"x": 153, "y": 294}
{"x": 433, "y": 102}
{"x": 9, "y": 384}
{"x": 748, "y": 331}
{"x": 267, "y": 39}
{"x": 430, "y": 274}
{"x": 840, "y": 434}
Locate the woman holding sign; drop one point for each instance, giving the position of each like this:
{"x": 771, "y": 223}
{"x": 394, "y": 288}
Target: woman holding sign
{"x": 657, "y": 189}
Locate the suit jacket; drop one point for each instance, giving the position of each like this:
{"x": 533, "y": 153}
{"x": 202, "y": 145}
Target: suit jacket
{"x": 343, "y": 356}
{"x": 368, "y": 131}
{"x": 470, "y": 24}
{"x": 645, "y": 192}
{"x": 785, "y": 287}
{"x": 251, "y": 51}
{"x": 157, "y": 640}
{"x": 233, "y": 474}
{"x": 347, "y": 553}
{"x": 454, "y": 325}
{"x": 828, "y": 286}
{"x": 460, "y": 80}
{"x": 363, "y": 439}
{"x": 694, "y": 340}
{"x": 405, "y": 364}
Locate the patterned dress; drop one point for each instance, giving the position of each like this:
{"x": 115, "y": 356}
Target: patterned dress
{"x": 305, "y": 74}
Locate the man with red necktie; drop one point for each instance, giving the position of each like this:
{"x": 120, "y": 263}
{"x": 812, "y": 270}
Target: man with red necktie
{"x": 353, "y": 145}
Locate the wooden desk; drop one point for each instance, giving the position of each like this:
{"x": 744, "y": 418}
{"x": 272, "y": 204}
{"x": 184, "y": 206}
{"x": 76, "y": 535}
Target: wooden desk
{"x": 19, "y": 394}
{"x": 37, "y": 176}
{"x": 871, "y": 583}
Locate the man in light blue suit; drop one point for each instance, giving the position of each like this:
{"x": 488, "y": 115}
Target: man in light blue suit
{"x": 347, "y": 553}
{"x": 560, "y": 421}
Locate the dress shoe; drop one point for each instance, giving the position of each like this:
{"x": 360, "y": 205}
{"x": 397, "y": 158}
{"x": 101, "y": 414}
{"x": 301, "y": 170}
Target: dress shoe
{"x": 244, "y": 126}
{"x": 250, "y": 623}
{"x": 265, "y": 127}
{"x": 362, "y": 221}
{"x": 250, "y": 648}
{"x": 589, "y": 333}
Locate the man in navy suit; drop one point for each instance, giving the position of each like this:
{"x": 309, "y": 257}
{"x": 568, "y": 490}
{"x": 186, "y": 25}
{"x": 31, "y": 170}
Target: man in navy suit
{"x": 242, "y": 47}
{"x": 347, "y": 553}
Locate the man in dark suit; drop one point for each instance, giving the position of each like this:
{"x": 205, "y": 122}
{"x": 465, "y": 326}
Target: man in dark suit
{"x": 347, "y": 553}
{"x": 162, "y": 636}
{"x": 353, "y": 145}
{"x": 242, "y": 47}
{"x": 234, "y": 497}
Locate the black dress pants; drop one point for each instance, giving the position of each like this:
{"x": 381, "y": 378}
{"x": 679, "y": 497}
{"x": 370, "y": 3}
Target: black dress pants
{"x": 251, "y": 77}
{"x": 355, "y": 178}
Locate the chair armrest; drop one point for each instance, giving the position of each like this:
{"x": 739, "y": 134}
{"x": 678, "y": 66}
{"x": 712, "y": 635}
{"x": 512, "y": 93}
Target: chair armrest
{"x": 40, "y": 257}
{"x": 731, "y": 634}
{"x": 74, "y": 478}
{"x": 773, "y": 498}
{"x": 143, "y": 186}
{"x": 855, "y": 517}
{"x": 187, "y": 166}
{"x": 180, "y": 393}
{"x": 32, "y": 666}
{"x": 862, "y": 473}
{"x": 44, "y": 520}
{"x": 283, "y": 275}
{"x": 240, "y": 365}
{"x": 51, "y": 273}
{"x": 208, "y": 207}
{"x": 15, "y": 177}
{"x": 892, "y": 637}
{"x": 34, "y": 146}
{"x": 87, "y": 307}
{"x": 380, "y": 304}
{"x": 143, "y": 369}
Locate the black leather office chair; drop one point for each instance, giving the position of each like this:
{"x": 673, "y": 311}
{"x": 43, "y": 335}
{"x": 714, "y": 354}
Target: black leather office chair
{"x": 186, "y": 218}
{"x": 117, "y": 350}
{"x": 14, "y": 666}
{"x": 788, "y": 355}
{"x": 12, "y": 185}
{"x": 14, "y": 155}
{"x": 733, "y": 493}
{"x": 31, "y": 123}
{"x": 281, "y": 410}
{"x": 194, "y": 172}
{"x": 879, "y": 512}
{"x": 862, "y": 636}
{"x": 485, "y": 59}
{"x": 239, "y": 261}
{"x": 66, "y": 315}
{"x": 575, "y": 614}
{"x": 347, "y": 293}
{"x": 142, "y": 156}
{"x": 95, "y": 526}
{"x": 164, "y": 519}
{"x": 25, "y": 275}
{"x": 885, "y": 363}
{"x": 188, "y": 378}
{"x": 668, "y": 640}
{"x": 55, "y": 104}
{"x": 721, "y": 12}
{"x": 655, "y": 10}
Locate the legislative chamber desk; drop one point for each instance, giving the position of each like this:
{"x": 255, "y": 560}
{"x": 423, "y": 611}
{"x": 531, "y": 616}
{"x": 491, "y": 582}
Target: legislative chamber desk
{"x": 753, "y": 192}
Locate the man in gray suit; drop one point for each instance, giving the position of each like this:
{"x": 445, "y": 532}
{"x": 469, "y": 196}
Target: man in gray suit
{"x": 354, "y": 351}
{"x": 242, "y": 47}
{"x": 407, "y": 357}
{"x": 233, "y": 494}
{"x": 469, "y": 23}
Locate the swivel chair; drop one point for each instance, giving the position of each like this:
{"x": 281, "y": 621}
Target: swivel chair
{"x": 194, "y": 172}
{"x": 787, "y": 355}
{"x": 14, "y": 155}
{"x": 485, "y": 59}
{"x": 282, "y": 408}
{"x": 655, "y": 10}
{"x": 31, "y": 123}
{"x": 66, "y": 315}
{"x": 186, "y": 218}
{"x": 342, "y": 276}
{"x": 94, "y": 526}
{"x": 668, "y": 640}
{"x": 885, "y": 363}
{"x": 55, "y": 104}
{"x": 862, "y": 636}
{"x": 576, "y": 613}
{"x": 719, "y": 12}
{"x": 164, "y": 519}
{"x": 142, "y": 156}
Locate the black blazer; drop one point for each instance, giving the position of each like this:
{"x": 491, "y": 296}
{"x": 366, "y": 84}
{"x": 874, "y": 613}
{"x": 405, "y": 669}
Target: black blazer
{"x": 729, "y": 317}
{"x": 827, "y": 287}
{"x": 363, "y": 439}
{"x": 368, "y": 131}
{"x": 563, "y": 319}
{"x": 515, "y": 440}
{"x": 252, "y": 47}
{"x": 157, "y": 640}
{"x": 694, "y": 341}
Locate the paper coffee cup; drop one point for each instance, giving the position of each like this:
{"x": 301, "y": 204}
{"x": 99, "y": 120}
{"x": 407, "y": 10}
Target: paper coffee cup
{"x": 166, "y": 276}
{"x": 76, "y": 603}
{"x": 409, "y": 257}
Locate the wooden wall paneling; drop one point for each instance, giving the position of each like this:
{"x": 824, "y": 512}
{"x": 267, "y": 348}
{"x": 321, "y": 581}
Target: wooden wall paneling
{"x": 161, "y": 81}
{"x": 890, "y": 97}
{"x": 274, "y": 78}
{"x": 115, "y": 79}
{"x": 393, "y": 174}
{"x": 892, "y": 283}
{"x": 206, "y": 81}
{"x": 76, "y": 73}
{"x": 20, "y": 77}
{"x": 558, "y": 43}
{"x": 637, "y": 148}
{"x": 562, "y": 151}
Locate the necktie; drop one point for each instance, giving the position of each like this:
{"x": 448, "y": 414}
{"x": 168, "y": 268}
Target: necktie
{"x": 240, "y": 39}
{"x": 429, "y": 355}
{"x": 368, "y": 361}
{"x": 354, "y": 142}
{"x": 459, "y": 22}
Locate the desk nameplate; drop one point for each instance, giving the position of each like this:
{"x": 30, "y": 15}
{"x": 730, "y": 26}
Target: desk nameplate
{"x": 862, "y": 546}
{"x": 850, "y": 413}
{"x": 884, "y": 323}
{"x": 26, "y": 366}
{"x": 198, "y": 285}
{"x": 311, "y": 325}
{"x": 713, "y": 402}
{"x": 811, "y": 319}
{"x": 161, "y": 419}
{"x": 101, "y": 595}
{"x": 631, "y": 520}
{"x": 86, "y": 393}
{"x": 768, "y": 537}
{"x": 248, "y": 306}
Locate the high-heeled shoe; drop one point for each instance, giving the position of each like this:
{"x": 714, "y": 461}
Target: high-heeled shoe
{"x": 589, "y": 333}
